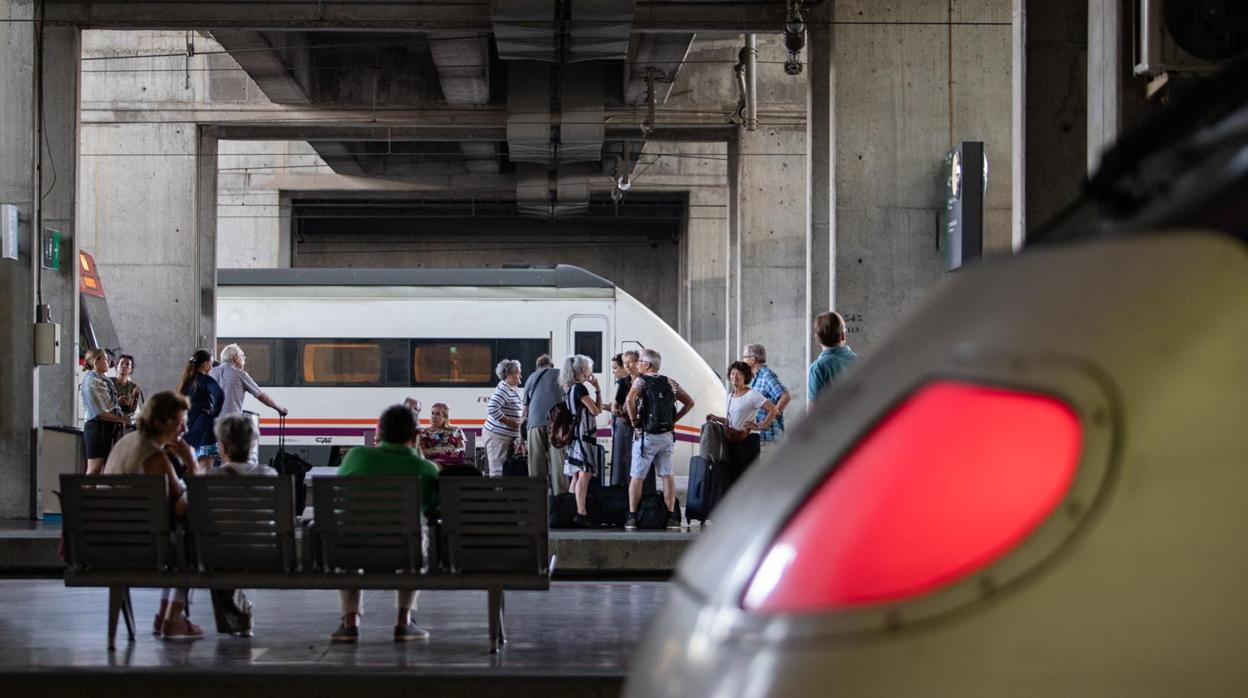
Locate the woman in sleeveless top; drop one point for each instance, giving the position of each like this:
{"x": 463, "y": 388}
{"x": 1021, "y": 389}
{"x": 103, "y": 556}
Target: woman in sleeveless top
{"x": 581, "y": 456}
{"x": 148, "y": 451}
{"x": 742, "y": 442}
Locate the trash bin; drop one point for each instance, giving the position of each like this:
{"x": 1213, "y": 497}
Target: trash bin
{"x": 61, "y": 451}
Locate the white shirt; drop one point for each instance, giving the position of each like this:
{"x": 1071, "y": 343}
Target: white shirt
{"x": 744, "y": 408}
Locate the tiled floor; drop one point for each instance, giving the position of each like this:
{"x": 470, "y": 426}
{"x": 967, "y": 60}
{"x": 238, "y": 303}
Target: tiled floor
{"x": 575, "y": 629}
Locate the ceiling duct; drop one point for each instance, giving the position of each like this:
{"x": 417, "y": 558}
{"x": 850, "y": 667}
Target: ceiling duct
{"x": 529, "y": 121}
{"x": 582, "y": 121}
{"x": 600, "y": 30}
{"x": 525, "y": 30}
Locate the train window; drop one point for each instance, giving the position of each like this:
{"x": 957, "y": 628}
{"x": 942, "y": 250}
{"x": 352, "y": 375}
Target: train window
{"x": 259, "y": 357}
{"x": 341, "y": 362}
{"x": 441, "y": 362}
{"x": 525, "y": 351}
{"x": 589, "y": 344}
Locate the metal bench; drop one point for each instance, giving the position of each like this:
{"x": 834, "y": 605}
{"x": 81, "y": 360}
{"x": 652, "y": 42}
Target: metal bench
{"x": 367, "y": 535}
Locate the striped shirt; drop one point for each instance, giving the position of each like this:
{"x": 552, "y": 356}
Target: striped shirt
{"x": 505, "y": 402}
{"x": 235, "y": 383}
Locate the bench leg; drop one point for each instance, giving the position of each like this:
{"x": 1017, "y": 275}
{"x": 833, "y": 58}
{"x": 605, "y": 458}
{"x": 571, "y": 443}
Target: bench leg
{"x": 127, "y": 612}
{"x": 496, "y": 617}
{"x": 119, "y": 605}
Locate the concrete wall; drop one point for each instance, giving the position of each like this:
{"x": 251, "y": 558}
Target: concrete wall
{"x": 912, "y": 79}
{"x": 649, "y": 271}
{"x": 146, "y": 195}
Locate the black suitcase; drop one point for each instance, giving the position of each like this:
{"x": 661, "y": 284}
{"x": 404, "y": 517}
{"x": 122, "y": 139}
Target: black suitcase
{"x": 516, "y": 466}
{"x": 291, "y": 465}
{"x": 611, "y": 505}
{"x": 652, "y": 512}
{"x": 562, "y": 509}
{"x": 700, "y": 499}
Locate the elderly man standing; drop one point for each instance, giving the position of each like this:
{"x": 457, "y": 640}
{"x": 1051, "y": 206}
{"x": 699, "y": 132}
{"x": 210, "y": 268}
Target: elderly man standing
{"x": 236, "y": 382}
{"x": 542, "y": 392}
{"x": 768, "y": 384}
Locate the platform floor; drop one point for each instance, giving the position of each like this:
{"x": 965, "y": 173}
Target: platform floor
{"x": 576, "y": 639}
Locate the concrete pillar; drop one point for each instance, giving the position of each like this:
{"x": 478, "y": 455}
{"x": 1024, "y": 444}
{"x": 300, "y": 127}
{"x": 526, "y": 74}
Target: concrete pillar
{"x": 732, "y": 257}
{"x": 1104, "y": 77}
{"x": 772, "y": 195}
{"x": 42, "y": 186}
{"x": 820, "y": 189}
{"x": 61, "y": 57}
{"x": 17, "y": 278}
{"x": 1053, "y": 143}
{"x": 205, "y": 240}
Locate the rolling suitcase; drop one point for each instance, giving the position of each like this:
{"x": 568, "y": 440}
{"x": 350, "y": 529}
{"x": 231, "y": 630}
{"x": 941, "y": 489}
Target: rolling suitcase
{"x": 700, "y": 498}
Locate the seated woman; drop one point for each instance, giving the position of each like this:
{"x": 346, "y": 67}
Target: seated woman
{"x": 236, "y": 435}
{"x": 146, "y": 451}
{"x": 442, "y": 442}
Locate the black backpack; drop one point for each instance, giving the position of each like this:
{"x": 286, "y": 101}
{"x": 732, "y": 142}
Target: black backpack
{"x": 658, "y": 405}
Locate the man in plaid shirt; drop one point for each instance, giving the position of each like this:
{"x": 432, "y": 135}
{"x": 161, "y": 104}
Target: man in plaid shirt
{"x": 768, "y": 383}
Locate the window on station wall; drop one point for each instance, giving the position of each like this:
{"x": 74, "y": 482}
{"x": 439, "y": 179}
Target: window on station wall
{"x": 259, "y": 357}
{"x": 453, "y": 362}
{"x": 589, "y": 344}
{"x": 341, "y": 362}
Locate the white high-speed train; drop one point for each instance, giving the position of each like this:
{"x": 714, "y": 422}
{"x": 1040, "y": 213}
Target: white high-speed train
{"x": 335, "y": 346}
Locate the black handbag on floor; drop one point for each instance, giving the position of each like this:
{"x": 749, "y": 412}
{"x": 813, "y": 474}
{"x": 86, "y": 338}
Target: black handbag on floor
{"x": 290, "y": 464}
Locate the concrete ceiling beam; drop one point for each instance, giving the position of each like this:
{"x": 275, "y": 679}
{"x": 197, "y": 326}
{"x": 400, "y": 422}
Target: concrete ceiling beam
{"x": 339, "y": 157}
{"x": 256, "y": 54}
{"x": 463, "y": 63}
{"x": 651, "y": 16}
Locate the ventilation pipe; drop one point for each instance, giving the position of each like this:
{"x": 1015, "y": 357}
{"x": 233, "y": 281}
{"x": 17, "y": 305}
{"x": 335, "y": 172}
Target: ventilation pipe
{"x": 747, "y": 83}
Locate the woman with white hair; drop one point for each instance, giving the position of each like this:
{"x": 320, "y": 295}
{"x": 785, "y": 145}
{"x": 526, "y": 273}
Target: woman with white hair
{"x": 581, "y": 456}
{"x": 502, "y": 416}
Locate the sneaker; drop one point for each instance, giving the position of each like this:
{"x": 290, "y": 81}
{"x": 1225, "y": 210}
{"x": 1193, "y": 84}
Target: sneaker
{"x": 181, "y": 628}
{"x": 673, "y": 521}
{"x": 406, "y": 633}
{"x": 630, "y": 523}
{"x": 345, "y": 634}
{"x": 583, "y": 521}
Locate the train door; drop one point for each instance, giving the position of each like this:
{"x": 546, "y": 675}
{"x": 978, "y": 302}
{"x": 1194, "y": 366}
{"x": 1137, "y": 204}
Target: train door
{"x": 591, "y": 335}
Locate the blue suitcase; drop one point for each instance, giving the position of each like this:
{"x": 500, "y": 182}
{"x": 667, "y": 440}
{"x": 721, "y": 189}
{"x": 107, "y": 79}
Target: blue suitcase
{"x": 700, "y": 498}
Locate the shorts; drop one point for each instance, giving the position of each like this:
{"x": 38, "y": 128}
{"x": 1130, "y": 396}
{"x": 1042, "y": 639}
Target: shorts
{"x": 208, "y": 451}
{"x": 653, "y": 449}
{"x": 98, "y": 437}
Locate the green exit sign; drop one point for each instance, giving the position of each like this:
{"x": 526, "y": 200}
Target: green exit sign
{"x": 51, "y": 249}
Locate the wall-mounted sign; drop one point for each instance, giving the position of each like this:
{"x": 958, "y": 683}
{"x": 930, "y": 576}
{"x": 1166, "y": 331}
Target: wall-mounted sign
{"x": 51, "y": 248}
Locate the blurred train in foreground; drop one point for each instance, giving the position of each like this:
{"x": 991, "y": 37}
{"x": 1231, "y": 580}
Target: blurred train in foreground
{"x": 335, "y": 346}
{"x": 1035, "y": 487}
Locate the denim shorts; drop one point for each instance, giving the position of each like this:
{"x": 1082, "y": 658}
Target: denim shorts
{"x": 653, "y": 449}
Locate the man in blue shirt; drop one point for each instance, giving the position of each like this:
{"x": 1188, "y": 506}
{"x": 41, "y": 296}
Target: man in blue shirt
{"x": 768, "y": 384}
{"x": 835, "y": 358}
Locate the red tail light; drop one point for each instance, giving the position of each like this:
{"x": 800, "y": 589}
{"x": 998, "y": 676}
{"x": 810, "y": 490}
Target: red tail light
{"x": 948, "y": 482}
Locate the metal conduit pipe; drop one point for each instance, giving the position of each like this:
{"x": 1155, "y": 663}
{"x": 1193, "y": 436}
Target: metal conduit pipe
{"x": 751, "y": 82}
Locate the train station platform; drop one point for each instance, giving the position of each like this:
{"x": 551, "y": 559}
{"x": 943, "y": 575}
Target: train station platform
{"x": 575, "y": 639}
{"x": 33, "y": 547}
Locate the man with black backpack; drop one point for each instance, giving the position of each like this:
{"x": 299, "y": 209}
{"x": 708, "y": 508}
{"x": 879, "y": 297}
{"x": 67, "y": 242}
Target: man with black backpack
{"x": 651, "y": 406}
